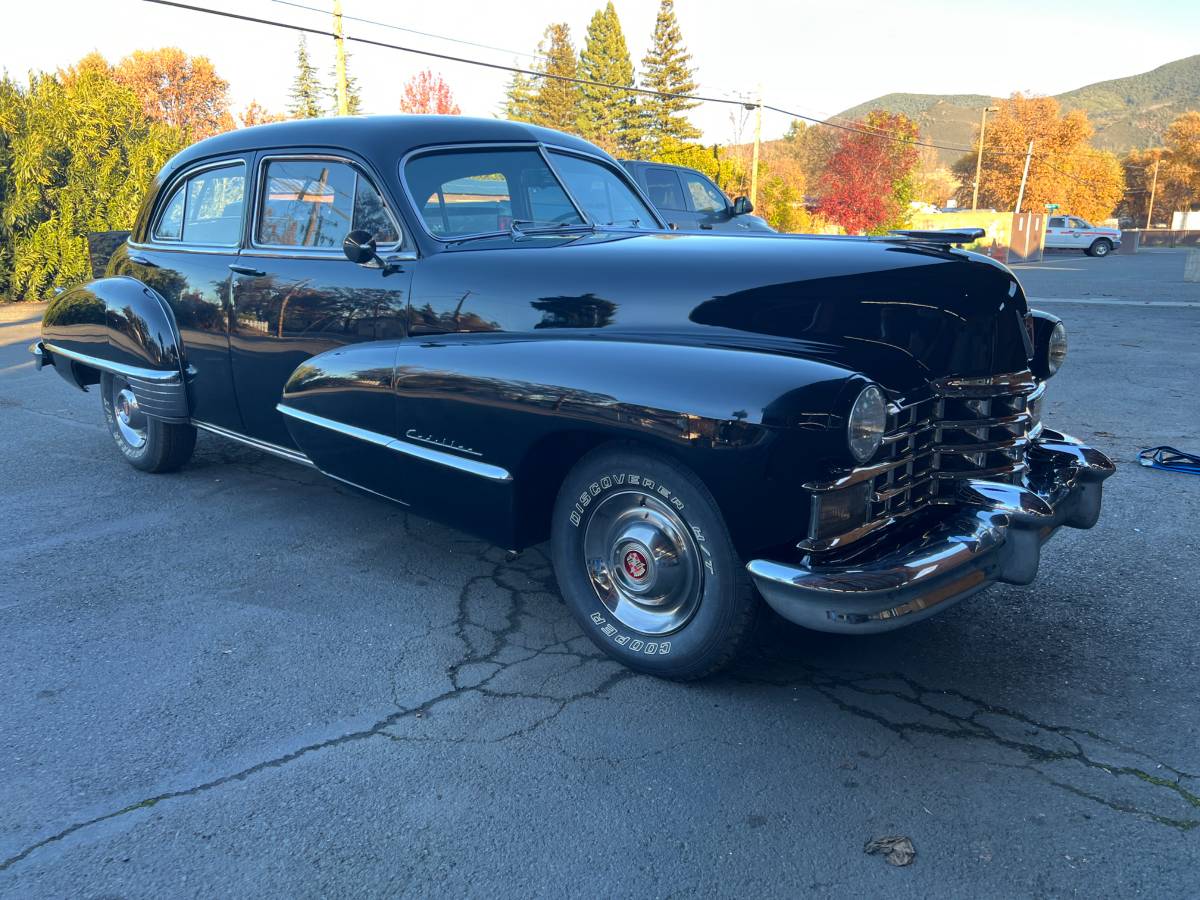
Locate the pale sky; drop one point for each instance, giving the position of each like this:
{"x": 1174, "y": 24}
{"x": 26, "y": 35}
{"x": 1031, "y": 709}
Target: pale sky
{"x": 815, "y": 58}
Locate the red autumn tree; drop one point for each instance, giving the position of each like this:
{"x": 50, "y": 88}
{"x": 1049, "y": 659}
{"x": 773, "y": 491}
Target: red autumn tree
{"x": 868, "y": 182}
{"x": 428, "y": 93}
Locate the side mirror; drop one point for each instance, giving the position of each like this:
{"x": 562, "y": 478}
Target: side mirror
{"x": 359, "y": 248}
{"x": 742, "y": 206}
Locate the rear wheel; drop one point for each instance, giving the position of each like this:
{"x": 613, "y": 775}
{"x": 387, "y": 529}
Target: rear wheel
{"x": 645, "y": 564}
{"x": 1100, "y": 247}
{"x": 149, "y": 444}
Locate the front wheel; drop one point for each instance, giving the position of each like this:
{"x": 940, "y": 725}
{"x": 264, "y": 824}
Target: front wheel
{"x": 645, "y": 564}
{"x": 1100, "y": 247}
{"x": 149, "y": 444}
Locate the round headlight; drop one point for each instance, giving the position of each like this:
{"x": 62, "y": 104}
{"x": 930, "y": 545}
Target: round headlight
{"x": 867, "y": 423}
{"x": 1056, "y": 352}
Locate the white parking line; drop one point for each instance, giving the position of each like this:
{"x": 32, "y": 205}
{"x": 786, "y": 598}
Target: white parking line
{"x": 1116, "y": 301}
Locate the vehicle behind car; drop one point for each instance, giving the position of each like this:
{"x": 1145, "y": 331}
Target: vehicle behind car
{"x": 690, "y": 201}
{"x": 1074, "y": 233}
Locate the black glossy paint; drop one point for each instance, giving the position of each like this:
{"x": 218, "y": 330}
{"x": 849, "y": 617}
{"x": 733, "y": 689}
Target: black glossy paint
{"x": 739, "y": 355}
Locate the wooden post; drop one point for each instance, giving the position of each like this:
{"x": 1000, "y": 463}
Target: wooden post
{"x": 1024, "y": 177}
{"x": 757, "y": 142}
{"x": 1153, "y": 187}
{"x": 343, "y": 101}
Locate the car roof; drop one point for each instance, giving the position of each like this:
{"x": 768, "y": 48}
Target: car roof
{"x": 390, "y": 135}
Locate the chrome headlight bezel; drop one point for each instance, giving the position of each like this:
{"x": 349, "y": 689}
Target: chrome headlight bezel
{"x": 866, "y": 423}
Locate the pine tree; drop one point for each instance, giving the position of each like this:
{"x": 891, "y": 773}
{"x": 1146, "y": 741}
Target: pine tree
{"x": 519, "y": 99}
{"x": 608, "y": 116}
{"x": 667, "y": 69}
{"x": 306, "y": 88}
{"x": 353, "y": 94}
{"x": 556, "y": 102}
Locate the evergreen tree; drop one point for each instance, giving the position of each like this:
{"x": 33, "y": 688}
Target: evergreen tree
{"x": 608, "y": 116}
{"x": 306, "y": 88}
{"x": 519, "y": 99}
{"x": 353, "y": 93}
{"x": 556, "y": 102}
{"x": 667, "y": 69}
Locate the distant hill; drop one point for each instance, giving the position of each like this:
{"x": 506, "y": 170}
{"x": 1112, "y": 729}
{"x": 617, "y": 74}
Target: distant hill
{"x": 1126, "y": 112}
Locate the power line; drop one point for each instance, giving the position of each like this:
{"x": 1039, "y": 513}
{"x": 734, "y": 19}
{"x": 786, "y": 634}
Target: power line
{"x": 428, "y": 34}
{"x": 533, "y": 73}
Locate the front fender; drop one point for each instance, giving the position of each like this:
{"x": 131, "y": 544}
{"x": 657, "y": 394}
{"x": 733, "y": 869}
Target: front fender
{"x": 120, "y": 326}
{"x": 753, "y": 425}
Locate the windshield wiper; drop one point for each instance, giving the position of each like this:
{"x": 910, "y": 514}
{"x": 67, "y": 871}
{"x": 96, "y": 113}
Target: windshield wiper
{"x": 632, "y": 223}
{"x": 520, "y": 228}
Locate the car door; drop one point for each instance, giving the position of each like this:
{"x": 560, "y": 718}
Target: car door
{"x": 1056, "y": 229}
{"x": 666, "y": 192}
{"x": 708, "y": 204}
{"x": 294, "y": 292}
{"x": 185, "y": 256}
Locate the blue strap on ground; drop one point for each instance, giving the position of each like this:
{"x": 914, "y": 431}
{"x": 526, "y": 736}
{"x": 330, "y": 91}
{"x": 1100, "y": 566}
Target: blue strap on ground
{"x": 1170, "y": 460}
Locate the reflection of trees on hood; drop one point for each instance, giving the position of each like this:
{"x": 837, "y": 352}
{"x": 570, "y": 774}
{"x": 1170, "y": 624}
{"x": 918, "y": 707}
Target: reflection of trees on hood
{"x": 583, "y": 311}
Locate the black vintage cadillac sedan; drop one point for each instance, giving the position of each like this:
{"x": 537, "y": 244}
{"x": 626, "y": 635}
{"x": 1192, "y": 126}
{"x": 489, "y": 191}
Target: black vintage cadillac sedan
{"x": 489, "y": 323}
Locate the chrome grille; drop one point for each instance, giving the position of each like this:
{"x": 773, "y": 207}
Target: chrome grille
{"x": 968, "y": 428}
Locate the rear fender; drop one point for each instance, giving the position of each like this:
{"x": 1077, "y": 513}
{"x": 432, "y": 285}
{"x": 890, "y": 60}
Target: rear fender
{"x": 120, "y": 326}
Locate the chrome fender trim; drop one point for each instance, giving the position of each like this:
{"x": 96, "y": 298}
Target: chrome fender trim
{"x": 428, "y": 454}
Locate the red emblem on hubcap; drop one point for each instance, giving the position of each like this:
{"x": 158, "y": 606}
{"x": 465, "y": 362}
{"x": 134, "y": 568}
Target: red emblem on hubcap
{"x": 635, "y": 564}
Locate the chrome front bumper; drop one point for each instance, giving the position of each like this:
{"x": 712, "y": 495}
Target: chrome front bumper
{"x": 996, "y": 534}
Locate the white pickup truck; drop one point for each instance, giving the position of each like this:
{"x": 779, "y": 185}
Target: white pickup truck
{"x": 1073, "y": 233}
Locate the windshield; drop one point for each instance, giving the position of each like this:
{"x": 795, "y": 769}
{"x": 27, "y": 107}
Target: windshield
{"x": 604, "y": 195}
{"x": 466, "y": 192}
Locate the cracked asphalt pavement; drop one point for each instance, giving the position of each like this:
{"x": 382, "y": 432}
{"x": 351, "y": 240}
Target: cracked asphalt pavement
{"x": 244, "y": 679}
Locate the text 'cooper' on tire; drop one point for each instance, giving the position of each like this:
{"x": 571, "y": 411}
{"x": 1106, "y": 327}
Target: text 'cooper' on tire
{"x": 645, "y": 564}
{"x": 149, "y": 444}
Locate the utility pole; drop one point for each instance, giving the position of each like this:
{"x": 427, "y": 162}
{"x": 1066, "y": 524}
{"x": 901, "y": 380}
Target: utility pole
{"x": 1024, "y": 177}
{"x": 757, "y": 142}
{"x": 1153, "y": 187}
{"x": 339, "y": 40}
{"x": 979, "y": 156}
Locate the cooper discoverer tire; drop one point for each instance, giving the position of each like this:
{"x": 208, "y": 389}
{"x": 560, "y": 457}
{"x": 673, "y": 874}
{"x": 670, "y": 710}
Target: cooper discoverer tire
{"x": 645, "y": 564}
{"x": 149, "y": 444}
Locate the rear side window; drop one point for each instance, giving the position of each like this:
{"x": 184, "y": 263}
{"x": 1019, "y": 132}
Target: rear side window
{"x": 315, "y": 203}
{"x": 663, "y": 187}
{"x": 1057, "y": 223}
{"x": 206, "y": 209}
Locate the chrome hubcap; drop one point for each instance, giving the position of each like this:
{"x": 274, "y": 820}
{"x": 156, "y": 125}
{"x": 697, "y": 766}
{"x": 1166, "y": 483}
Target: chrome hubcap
{"x": 643, "y": 562}
{"x": 131, "y": 421}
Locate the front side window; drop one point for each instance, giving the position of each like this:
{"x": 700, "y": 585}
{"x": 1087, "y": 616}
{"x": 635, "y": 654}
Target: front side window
{"x": 206, "y": 209}
{"x": 705, "y": 196}
{"x": 468, "y": 192}
{"x": 315, "y": 203}
{"x": 605, "y": 196}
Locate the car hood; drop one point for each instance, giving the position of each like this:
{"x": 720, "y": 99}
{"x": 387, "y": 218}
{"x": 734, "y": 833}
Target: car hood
{"x": 899, "y": 313}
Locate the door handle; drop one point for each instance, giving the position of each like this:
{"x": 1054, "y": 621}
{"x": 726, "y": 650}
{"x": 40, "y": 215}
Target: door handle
{"x": 140, "y": 260}
{"x": 246, "y": 270}
{"x": 707, "y": 227}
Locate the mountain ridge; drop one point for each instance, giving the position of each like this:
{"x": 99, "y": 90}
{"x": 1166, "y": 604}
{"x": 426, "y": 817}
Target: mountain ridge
{"x": 1127, "y": 112}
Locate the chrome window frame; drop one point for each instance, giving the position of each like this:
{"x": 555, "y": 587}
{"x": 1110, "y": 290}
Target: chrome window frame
{"x": 299, "y": 251}
{"x": 542, "y": 149}
{"x": 168, "y": 192}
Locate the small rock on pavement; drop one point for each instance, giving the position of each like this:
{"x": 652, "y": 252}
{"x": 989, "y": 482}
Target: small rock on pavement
{"x": 897, "y": 850}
